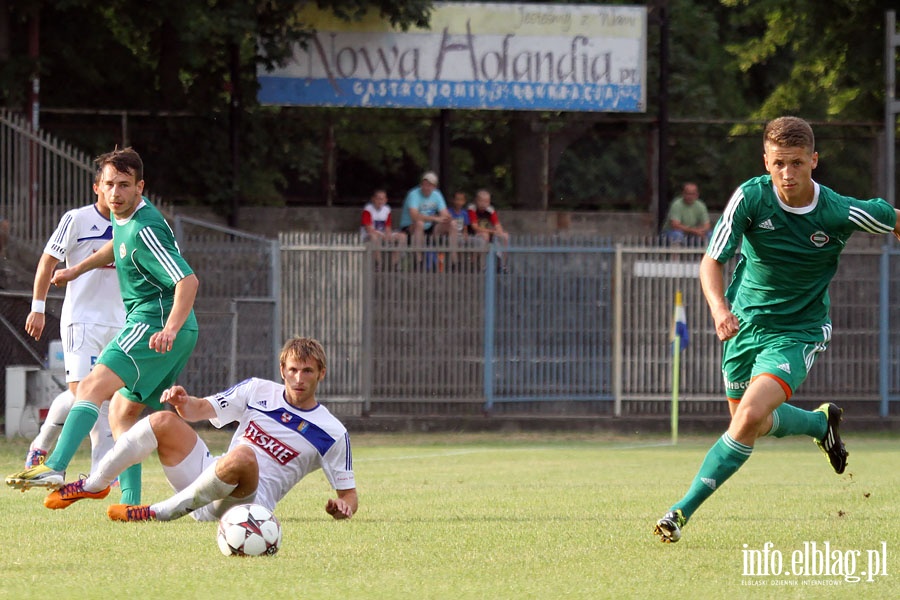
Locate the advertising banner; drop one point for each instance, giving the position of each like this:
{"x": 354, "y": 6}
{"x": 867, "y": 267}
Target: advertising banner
{"x": 474, "y": 56}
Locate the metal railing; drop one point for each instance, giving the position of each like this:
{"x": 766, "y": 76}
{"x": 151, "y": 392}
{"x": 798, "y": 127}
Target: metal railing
{"x": 40, "y": 179}
{"x": 569, "y": 327}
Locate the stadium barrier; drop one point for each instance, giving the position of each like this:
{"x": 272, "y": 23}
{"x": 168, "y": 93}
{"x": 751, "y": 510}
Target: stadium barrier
{"x": 572, "y": 326}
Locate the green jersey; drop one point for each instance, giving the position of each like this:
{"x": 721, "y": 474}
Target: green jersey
{"x": 789, "y": 255}
{"x": 694, "y": 214}
{"x": 149, "y": 265}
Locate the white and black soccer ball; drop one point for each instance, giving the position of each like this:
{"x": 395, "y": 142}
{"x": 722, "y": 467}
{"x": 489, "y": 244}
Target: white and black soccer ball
{"x": 249, "y": 530}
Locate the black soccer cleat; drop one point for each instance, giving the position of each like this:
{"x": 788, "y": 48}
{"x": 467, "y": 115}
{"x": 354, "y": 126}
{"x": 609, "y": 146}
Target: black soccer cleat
{"x": 831, "y": 444}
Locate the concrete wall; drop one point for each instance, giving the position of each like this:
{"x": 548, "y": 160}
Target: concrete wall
{"x": 269, "y": 221}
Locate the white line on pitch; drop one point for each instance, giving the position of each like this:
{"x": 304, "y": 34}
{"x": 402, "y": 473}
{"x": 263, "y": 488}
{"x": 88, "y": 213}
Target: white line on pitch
{"x": 530, "y": 449}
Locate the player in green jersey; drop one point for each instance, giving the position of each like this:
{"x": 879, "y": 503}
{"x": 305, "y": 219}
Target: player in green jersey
{"x": 158, "y": 289}
{"x": 774, "y": 316}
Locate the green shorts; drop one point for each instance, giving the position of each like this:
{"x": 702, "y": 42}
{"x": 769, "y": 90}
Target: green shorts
{"x": 146, "y": 373}
{"x": 786, "y": 355}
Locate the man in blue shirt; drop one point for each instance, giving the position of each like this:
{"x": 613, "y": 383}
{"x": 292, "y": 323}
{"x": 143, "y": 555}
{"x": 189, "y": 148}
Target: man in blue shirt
{"x": 425, "y": 213}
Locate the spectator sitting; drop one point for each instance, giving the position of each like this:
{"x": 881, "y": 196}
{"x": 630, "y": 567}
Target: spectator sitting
{"x": 485, "y": 223}
{"x": 688, "y": 220}
{"x": 425, "y": 213}
{"x": 376, "y": 228}
{"x": 459, "y": 212}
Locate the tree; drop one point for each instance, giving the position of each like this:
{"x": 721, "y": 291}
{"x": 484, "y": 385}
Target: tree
{"x": 823, "y": 60}
{"x": 192, "y": 58}
{"x": 189, "y": 66}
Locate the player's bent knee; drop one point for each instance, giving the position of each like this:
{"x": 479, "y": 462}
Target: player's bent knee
{"x": 163, "y": 420}
{"x": 99, "y": 385}
{"x": 748, "y": 423}
{"x": 239, "y": 466}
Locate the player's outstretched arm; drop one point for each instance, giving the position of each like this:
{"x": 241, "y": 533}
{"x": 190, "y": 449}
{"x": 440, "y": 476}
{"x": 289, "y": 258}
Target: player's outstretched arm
{"x": 344, "y": 506}
{"x": 100, "y": 258}
{"x": 190, "y": 408}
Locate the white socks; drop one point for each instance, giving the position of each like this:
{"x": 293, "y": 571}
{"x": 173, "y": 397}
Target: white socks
{"x": 101, "y": 437}
{"x": 205, "y": 489}
{"x": 133, "y": 447}
{"x": 220, "y": 507}
{"x": 56, "y": 417}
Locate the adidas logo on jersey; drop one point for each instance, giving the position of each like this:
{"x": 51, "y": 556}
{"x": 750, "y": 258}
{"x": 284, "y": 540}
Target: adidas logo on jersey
{"x": 94, "y": 228}
{"x": 710, "y": 483}
{"x": 785, "y": 367}
{"x": 767, "y": 224}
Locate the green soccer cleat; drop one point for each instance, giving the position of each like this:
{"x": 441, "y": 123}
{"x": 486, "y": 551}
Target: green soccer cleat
{"x": 37, "y": 476}
{"x": 669, "y": 527}
{"x": 831, "y": 444}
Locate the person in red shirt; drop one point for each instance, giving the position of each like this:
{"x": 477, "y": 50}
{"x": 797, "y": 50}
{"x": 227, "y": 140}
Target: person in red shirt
{"x": 376, "y": 227}
{"x": 485, "y": 223}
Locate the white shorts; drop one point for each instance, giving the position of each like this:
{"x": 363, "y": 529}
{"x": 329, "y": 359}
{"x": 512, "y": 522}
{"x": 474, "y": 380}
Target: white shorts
{"x": 187, "y": 471}
{"x": 184, "y": 473}
{"x": 82, "y": 344}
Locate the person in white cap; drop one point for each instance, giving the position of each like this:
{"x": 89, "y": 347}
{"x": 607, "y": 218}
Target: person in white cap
{"x": 425, "y": 214}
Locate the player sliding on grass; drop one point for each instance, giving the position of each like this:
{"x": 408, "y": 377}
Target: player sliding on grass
{"x": 283, "y": 434}
{"x": 774, "y": 317}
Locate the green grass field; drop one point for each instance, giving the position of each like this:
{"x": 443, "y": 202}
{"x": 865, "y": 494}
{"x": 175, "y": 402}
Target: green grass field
{"x": 492, "y": 516}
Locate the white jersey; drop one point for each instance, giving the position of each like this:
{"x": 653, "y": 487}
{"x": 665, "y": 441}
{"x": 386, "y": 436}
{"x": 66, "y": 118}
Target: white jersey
{"x": 289, "y": 443}
{"x": 378, "y": 218}
{"x": 93, "y": 298}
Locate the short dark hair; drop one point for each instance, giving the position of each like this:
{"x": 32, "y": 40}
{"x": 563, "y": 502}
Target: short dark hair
{"x": 126, "y": 160}
{"x": 790, "y": 132}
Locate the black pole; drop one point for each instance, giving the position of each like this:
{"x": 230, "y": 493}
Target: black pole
{"x": 663, "y": 164}
{"x": 444, "y": 151}
{"x": 34, "y": 107}
{"x": 234, "y": 125}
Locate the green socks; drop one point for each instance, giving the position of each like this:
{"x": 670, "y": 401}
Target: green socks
{"x": 790, "y": 420}
{"x": 727, "y": 455}
{"x": 78, "y": 426}
{"x": 721, "y": 462}
{"x": 130, "y": 482}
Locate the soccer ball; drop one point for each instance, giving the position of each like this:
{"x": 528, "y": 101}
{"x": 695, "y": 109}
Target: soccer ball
{"x": 249, "y": 530}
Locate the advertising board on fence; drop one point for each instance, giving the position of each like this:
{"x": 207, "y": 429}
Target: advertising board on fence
{"x": 474, "y": 56}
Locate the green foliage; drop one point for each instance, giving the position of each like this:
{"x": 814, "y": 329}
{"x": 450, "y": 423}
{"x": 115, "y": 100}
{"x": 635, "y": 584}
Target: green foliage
{"x": 820, "y": 59}
{"x": 603, "y": 170}
{"x": 191, "y": 66}
{"x": 399, "y": 14}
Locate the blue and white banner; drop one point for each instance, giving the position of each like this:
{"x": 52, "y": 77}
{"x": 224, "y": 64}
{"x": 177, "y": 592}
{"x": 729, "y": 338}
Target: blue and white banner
{"x": 474, "y": 56}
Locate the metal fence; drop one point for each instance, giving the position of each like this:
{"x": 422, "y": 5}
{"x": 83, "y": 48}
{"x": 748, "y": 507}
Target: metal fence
{"x": 574, "y": 326}
{"x": 40, "y": 179}
{"x": 237, "y": 305}
{"x": 569, "y": 326}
